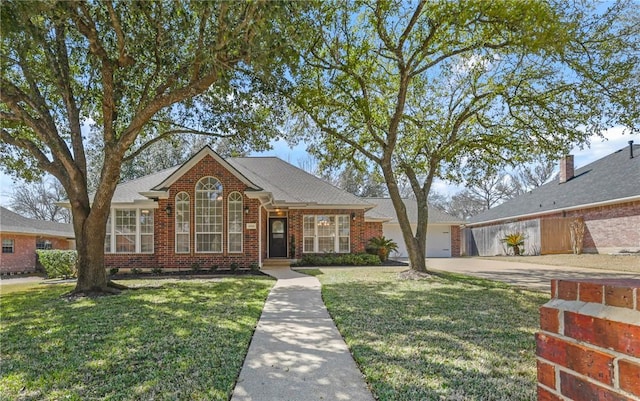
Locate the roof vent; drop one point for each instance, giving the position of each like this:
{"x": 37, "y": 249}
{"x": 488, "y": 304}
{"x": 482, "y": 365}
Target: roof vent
{"x": 566, "y": 168}
{"x": 630, "y": 149}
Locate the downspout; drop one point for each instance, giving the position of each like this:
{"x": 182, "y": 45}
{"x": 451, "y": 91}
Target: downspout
{"x": 260, "y": 235}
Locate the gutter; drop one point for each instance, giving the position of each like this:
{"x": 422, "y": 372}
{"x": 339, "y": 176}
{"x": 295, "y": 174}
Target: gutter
{"x": 542, "y": 212}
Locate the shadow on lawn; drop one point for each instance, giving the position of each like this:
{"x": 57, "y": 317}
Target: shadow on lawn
{"x": 440, "y": 340}
{"x": 184, "y": 341}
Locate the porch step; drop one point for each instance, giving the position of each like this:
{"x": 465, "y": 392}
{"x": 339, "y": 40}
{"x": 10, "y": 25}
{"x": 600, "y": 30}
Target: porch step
{"x": 276, "y": 263}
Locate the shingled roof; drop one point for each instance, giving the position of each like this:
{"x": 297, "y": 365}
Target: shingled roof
{"x": 385, "y": 207}
{"x": 286, "y": 183}
{"x": 614, "y": 178}
{"x": 11, "y": 222}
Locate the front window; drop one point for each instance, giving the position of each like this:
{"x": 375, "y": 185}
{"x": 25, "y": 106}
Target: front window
{"x": 183, "y": 217}
{"x": 7, "y": 246}
{"x": 129, "y": 231}
{"x": 235, "y": 222}
{"x": 326, "y": 234}
{"x": 208, "y": 216}
{"x": 43, "y": 244}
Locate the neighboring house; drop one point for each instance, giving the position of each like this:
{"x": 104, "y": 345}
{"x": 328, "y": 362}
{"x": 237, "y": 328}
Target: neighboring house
{"x": 21, "y": 236}
{"x": 605, "y": 195}
{"x": 443, "y": 231}
{"x": 212, "y": 211}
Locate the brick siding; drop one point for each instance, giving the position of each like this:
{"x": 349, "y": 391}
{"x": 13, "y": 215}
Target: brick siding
{"x": 23, "y": 258}
{"x": 588, "y": 346}
{"x": 456, "y": 238}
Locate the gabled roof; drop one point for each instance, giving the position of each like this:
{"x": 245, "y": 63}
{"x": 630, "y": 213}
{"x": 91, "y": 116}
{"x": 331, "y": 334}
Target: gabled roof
{"x": 283, "y": 183}
{"x": 11, "y": 222}
{"x": 186, "y": 166}
{"x": 613, "y": 179}
{"x": 385, "y": 207}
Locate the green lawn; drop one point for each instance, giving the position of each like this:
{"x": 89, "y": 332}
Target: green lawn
{"x": 451, "y": 337}
{"x": 168, "y": 340}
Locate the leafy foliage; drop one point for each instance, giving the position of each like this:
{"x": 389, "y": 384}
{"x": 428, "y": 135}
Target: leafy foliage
{"x": 514, "y": 241}
{"x": 58, "y": 263}
{"x": 350, "y": 259}
{"x": 382, "y": 247}
{"x": 455, "y": 89}
{"x": 137, "y": 73}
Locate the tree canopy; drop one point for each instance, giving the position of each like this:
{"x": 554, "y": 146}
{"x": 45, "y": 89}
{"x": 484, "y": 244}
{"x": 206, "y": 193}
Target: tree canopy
{"x": 449, "y": 89}
{"x": 136, "y": 72}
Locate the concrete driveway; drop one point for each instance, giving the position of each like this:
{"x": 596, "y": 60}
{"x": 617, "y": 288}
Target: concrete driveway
{"x": 525, "y": 275}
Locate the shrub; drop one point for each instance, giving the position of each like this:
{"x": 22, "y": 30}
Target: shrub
{"x": 156, "y": 270}
{"x": 350, "y": 259}
{"x": 213, "y": 268}
{"x": 515, "y": 241}
{"x": 195, "y": 266}
{"x": 383, "y": 246}
{"x": 234, "y": 266}
{"x": 136, "y": 270}
{"x": 58, "y": 263}
{"x": 254, "y": 267}
{"x": 113, "y": 271}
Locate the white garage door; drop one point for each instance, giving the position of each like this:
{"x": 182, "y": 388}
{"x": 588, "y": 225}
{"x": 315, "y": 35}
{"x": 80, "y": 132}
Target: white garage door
{"x": 438, "y": 240}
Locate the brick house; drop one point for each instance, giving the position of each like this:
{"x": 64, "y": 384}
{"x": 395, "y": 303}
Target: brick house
{"x": 215, "y": 212}
{"x": 605, "y": 195}
{"x": 21, "y": 236}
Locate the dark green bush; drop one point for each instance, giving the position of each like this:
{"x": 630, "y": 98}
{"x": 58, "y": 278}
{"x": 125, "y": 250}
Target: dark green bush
{"x": 136, "y": 270}
{"x": 58, "y": 263}
{"x": 195, "y": 266}
{"x": 254, "y": 267}
{"x": 113, "y": 271}
{"x": 350, "y": 259}
{"x": 156, "y": 270}
{"x": 234, "y": 266}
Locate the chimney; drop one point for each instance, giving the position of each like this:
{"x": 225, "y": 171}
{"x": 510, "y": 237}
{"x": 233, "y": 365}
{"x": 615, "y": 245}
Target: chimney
{"x": 566, "y": 168}
{"x": 630, "y": 149}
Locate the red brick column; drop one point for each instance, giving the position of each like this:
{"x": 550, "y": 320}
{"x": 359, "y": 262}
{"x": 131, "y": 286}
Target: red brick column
{"x": 589, "y": 344}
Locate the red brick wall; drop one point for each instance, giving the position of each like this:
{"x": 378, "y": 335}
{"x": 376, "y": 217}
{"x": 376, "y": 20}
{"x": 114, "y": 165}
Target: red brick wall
{"x": 455, "y": 241}
{"x": 23, "y": 260}
{"x": 588, "y": 347}
{"x": 372, "y": 229}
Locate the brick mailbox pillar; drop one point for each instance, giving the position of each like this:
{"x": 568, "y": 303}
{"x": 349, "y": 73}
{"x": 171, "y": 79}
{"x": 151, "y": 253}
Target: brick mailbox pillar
{"x": 588, "y": 346}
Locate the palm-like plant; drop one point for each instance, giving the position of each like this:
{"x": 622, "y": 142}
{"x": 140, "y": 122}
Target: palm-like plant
{"x": 515, "y": 241}
{"x": 384, "y": 246}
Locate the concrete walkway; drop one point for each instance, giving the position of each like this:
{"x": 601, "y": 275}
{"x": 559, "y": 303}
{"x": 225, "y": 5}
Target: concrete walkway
{"x": 297, "y": 352}
{"x": 526, "y": 275}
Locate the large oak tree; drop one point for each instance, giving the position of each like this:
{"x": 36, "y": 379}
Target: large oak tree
{"x": 428, "y": 89}
{"x": 134, "y": 70}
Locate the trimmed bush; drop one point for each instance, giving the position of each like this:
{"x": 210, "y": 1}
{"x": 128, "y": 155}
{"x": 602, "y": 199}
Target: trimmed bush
{"x": 58, "y": 263}
{"x": 350, "y": 259}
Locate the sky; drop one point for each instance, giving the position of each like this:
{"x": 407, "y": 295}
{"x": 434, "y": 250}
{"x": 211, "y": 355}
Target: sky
{"x": 599, "y": 147}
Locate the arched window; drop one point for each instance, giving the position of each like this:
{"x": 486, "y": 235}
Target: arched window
{"x": 208, "y": 218}
{"x": 235, "y": 222}
{"x": 183, "y": 218}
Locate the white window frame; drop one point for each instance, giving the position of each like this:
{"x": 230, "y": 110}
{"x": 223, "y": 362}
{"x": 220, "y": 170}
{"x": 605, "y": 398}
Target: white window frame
{"x": 336, "y": 235}
{"x": 220, "y": 199}
{"x": 236, "y": 206}
{"x": 185, "y": 199}
{"x": 8, "y": 243}
{"x": 111, "y": 231}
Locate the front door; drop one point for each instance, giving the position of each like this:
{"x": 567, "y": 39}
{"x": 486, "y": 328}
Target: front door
{"x": 277, "y": 238}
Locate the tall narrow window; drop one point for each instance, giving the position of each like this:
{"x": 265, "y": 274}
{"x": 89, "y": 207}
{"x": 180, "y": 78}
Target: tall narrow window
{"x": 308, "y": 233}
{"x": 344, "y": 234}
{"x": 125, "y": 230}
{"x": 326, "y": 233}
{"x": 235, "y": 222}
{"x": 107, "y": 238}
{"x": 183, "y": 217}
{"x": 208, "y": 218}
{"x": 146, "y": 230}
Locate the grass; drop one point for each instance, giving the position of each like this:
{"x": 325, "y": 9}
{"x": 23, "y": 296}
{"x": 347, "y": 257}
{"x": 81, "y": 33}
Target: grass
{"x": 451, "y": 337}
{"x": 166, "y": 340}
